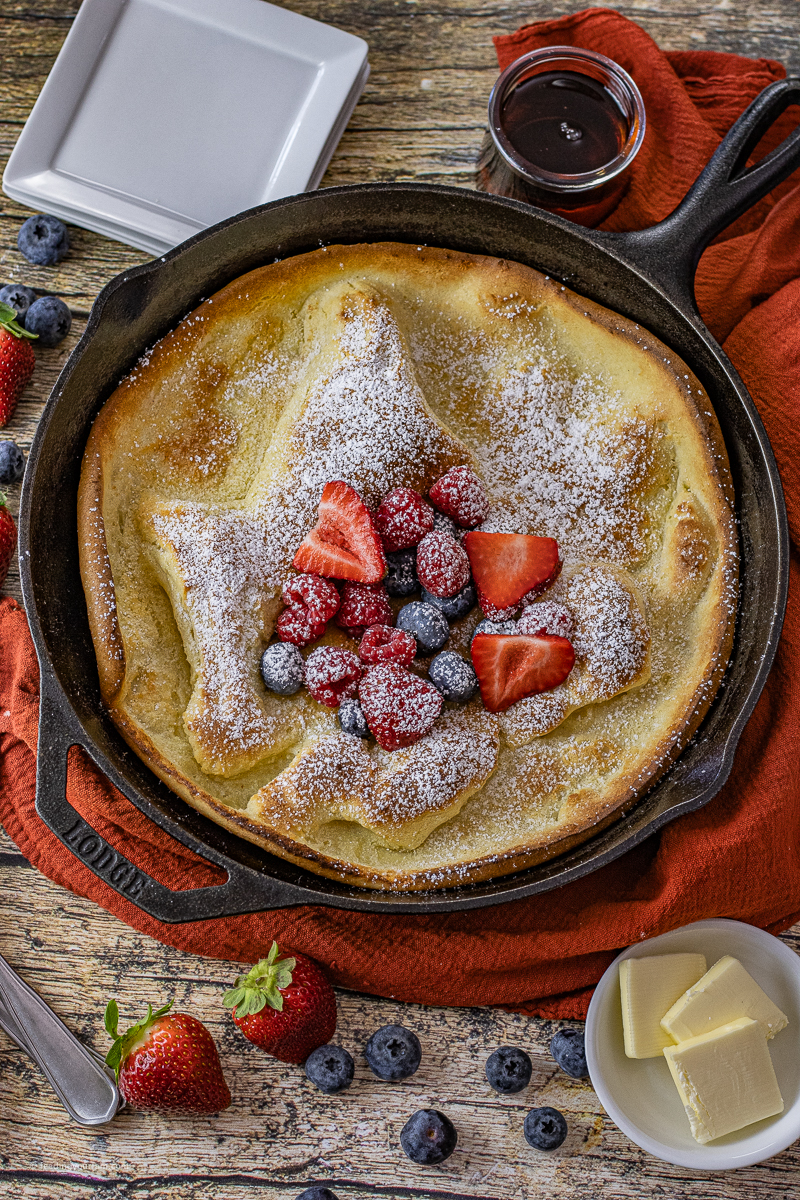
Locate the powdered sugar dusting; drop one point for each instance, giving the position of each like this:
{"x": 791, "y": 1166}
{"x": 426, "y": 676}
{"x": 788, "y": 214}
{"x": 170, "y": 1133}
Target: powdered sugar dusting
{"x": 341, "y": 777}
{"x": 571, "y": 463}
{"x": 612, "y": 649}
{"x": 359, "y": 417}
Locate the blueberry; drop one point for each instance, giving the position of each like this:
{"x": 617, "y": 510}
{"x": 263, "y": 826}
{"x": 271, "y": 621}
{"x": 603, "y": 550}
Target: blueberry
{"x": 352, "y": 719}
{"x": 453, "y": 607}
{"x": 50, "y": 318}
{"x": 568, "y": 1048}
{"x": 318, "y": 1193}
{"x": 454, "y": 677}
{"x": 18, "y": 297}
{"x": 393, "y": 1052}
{"x": 427, "y": 624}
{"x": 12, "y": 463}
{"x": 545, "y": 1128}
{"x": 494, "y": 627}
{"x": 330, "y": 1068}
{"x": 428, "y": 1137}
{"x": 444, "y": 524}
{"x": 282, "y": 668}
{"x": 43, "y": 240}
{"x": 509, "y": 1070}
{"x": 401, "y": 572}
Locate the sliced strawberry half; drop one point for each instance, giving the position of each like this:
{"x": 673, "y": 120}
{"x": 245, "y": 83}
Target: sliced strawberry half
{"x": 510, "y": 667}
{"x": 506, "y": 566}
{"x": 344, "y": 543}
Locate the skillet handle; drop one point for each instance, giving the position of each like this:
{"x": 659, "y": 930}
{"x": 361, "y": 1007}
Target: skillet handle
{"x": 244, "y": 891}
{"x": 669, "y": 252}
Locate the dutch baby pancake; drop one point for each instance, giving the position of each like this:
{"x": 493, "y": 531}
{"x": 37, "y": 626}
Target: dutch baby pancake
{"x": 411, "y": 566}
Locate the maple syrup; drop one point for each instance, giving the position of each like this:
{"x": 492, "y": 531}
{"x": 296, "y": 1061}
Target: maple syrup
{"x": 564, "y": 122}
{"x": 564, "y": 126}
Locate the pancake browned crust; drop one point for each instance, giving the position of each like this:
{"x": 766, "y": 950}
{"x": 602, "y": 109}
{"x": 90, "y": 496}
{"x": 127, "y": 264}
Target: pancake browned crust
{"x": 385, "y": 365}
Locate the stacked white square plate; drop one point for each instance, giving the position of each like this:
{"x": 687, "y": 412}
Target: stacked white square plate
{"x": 162, "y": 117}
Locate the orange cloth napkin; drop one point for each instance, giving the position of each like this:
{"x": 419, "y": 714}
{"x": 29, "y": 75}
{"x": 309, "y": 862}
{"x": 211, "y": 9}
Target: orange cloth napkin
{"x": 739, "y": 856}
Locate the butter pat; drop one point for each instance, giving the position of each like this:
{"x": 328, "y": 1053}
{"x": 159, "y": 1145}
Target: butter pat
{"x": 723, "y": 994}
{"x": 725, "y": 1079}
{"x": 648, "y": 987}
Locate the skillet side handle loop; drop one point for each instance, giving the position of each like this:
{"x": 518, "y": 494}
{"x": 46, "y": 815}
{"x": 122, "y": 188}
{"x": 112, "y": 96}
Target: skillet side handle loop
{"x": 237, "y": 895}
{"x": 726, "y": 188}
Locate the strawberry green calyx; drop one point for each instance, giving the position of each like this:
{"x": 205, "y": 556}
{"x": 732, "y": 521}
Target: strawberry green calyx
{"x": 9, "y": 322}
{"x": 262, "y": 985}
{"x": 123, "y": 1043}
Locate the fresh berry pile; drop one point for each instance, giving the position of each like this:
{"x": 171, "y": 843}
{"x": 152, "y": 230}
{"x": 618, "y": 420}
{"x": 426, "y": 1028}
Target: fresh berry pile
{"x": 26, "y": 315}
{"x": 286, "y": 1007}
{"x": 353, "y": 563}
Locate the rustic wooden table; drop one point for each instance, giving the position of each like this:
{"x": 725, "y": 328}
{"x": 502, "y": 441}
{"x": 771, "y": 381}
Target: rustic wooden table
{"x": 421, "y": 118}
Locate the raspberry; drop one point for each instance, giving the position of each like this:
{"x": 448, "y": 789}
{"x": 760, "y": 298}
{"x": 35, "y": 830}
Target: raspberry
{"x": 399, "y": 707}
{"x": 442, "y": 564}
{"x": 364, "y": 604}
{"x": 332, "y": 675}
{"x": 381, "y": 643}
{"x": 316, "y": 593}
{"x": 403, "y": 519}
{"x": 460, "y": 494}
{"x": 492, "y": 612}
{"x": 546, "y": 617}
{"x": 299, "y": 625}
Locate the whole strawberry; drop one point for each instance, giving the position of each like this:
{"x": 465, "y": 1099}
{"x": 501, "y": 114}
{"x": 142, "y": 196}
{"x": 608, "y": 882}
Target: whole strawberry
{"x": 8, "y": 538}
{"x": 285, "y": 1006}
{"x": 16, "y": 361}
{"x": 167, "y": 1062}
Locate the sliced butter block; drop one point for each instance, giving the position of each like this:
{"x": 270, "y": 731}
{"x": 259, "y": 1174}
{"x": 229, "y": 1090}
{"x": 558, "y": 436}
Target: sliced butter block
{"x": 648, "y": 987}
{"x": 724, "y": 993}
{"x": 725, "y": 1079}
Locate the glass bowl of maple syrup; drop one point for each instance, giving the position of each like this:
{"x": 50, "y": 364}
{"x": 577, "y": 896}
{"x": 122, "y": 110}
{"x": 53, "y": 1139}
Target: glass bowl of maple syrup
{"x": 564, "y": 126}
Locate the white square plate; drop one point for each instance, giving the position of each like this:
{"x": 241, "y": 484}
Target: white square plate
{"x": 162, "y": 117}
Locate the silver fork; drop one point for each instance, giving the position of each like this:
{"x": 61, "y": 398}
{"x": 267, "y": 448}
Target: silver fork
{"x": 78, "y": 1076}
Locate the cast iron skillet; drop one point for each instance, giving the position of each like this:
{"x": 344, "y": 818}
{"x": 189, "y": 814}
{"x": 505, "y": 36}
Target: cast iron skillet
{"x": 646, "y": 276}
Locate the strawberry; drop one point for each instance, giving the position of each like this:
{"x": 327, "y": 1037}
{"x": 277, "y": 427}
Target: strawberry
{"x": 492, "y": 612}
{"x": 16, "y": 361}
{"x": 364, "y": 605}
{"x": 381, "y": 643}
{"x": 403, "y": 519}
{"x": 8, "y": 539}
{"x": 442, "y": 565}
{"x": 510, "y": 667}
{"x": 344, "y": 543}
{"x": 399, "y": 707}
{"x": 168, "y": 1061}
{"x": 285, "y": 1006}
{"x": 331, "y": 675}
{"x": 460, "y": 494}
{"x": 507, "y": 566}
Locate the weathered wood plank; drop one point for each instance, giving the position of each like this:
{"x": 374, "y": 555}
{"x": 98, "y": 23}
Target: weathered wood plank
{"x": 282, "y": 1134}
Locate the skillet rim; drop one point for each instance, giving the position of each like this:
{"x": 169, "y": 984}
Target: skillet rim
{"x": 620, "y": 249}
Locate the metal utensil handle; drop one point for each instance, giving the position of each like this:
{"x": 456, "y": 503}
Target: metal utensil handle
{"x": 81, "y": 1082}
{"x": 236, "y": 895}
{"x": 724, "y": 190}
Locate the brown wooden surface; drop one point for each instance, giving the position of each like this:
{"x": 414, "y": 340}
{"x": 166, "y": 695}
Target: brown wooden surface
{"x": 421, "y": 118}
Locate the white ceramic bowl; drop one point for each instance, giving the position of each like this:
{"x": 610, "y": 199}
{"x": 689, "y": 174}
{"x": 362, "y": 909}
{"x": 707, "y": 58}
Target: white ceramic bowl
{"x": 639, "y": 1094}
